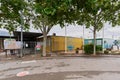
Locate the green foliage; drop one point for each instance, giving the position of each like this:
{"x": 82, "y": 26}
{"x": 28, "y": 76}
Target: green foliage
{"x": 115, "y": 18}
{"x": 59, "y": 12}
{"x": 89, "y": 48}
{"x": 106, "y": 52}
{"x": 89, "y": 12}
{"x": 97, "y": 12}
{"x": 9, "y": 16}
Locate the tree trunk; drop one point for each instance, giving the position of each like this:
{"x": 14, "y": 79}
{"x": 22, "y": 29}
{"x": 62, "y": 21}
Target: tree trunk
{"x": 94, "y": 48}
{"x": 44, "y": 43}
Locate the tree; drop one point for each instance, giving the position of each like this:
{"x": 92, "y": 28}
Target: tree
{"x": 115, "y": 12}
{"x": 41, "y": 12}
{"x": 10, "y": 16}
{"x": 95, "y": 14}
{"x": 14, "y": 14}
{"x": 71, "y": 14}
{"x": 47, "y": 14}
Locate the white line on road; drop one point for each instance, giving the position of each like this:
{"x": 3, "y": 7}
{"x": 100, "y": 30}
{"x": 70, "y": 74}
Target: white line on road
{"x": 24, "y": 62}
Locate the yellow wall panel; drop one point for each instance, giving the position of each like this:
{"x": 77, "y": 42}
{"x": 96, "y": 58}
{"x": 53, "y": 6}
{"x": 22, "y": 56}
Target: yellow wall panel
{"x": 57, "y": 43}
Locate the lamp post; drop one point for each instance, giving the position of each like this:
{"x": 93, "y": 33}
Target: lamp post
{"x": 65, "y": 39}
{"x": 21, "y": 17}
{"x": 103, "y": 41}
{"x": 83, "y": 39}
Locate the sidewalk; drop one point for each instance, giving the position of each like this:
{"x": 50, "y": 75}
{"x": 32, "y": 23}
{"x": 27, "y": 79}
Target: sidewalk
{"x": 3, "y": 58}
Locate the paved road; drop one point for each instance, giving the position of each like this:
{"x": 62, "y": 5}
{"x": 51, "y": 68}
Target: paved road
{"x": 78, "y": 75}
{"x": 74, "y": 68}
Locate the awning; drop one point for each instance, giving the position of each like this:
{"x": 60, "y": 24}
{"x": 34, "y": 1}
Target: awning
{"x": 5, "y": 34}
{"x": 27, "y": 36}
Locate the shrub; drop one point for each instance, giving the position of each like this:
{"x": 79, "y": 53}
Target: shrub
{"x": 106, "y": 52}
{"x": 89, "y": 48}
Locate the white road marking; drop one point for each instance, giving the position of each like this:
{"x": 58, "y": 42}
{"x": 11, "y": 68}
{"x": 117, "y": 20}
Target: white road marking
{"x": 24, "y": 62}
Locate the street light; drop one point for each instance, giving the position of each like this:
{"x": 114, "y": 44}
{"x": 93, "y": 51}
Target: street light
{"x": 65, "y": 39}
{"x": 103, "y": 41}
{"x": 83, "y": 39}
{"x": 21, "y": 17}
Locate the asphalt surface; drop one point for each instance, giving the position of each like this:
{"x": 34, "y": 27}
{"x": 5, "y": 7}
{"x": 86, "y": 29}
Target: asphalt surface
{"x": 82, "y": 75}
{"x": 72, "y": 68}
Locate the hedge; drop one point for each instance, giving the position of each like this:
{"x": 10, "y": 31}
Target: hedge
{"x": 89, "y": 48}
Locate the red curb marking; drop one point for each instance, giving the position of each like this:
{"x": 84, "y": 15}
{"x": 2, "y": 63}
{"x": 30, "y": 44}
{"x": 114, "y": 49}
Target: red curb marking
{"x": 24, "y": 73}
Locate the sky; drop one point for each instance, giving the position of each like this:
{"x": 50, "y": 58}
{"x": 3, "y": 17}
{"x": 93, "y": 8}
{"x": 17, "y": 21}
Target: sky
{"x": 77, "y": 31}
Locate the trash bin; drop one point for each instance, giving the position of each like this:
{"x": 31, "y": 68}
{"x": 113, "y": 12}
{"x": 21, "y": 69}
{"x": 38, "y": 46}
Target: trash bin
{"x": 77, "y": 50}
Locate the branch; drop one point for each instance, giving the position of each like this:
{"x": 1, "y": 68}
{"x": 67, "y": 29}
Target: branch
{"x": 99, "y": 13}
{"x": 41, "y": 29}
{"x": 49, "y": 28}
{"x": 38, "y": 26}
{"x": 91, "y": 29}
{"x": 98, "y": 16}
{"x": 95, "y": 22}
{"x": 100, "y": 19}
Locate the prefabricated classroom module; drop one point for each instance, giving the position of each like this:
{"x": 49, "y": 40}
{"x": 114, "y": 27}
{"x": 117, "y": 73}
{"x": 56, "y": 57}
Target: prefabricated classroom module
{"x": 57, "y": 43}
{"x": 108, "y": 43}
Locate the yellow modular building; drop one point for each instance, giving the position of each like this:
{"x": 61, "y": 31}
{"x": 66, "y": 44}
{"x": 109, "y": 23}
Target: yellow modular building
{"x": 57, "y": 43}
